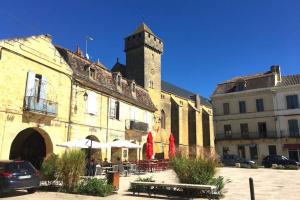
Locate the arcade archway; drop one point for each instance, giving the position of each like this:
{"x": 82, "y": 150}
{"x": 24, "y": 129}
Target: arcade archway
{"x": 96, "y": 154}
{"x": 31, "y": 144}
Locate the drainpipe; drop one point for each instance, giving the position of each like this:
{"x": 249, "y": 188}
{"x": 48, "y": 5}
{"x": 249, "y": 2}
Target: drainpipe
{"x": 70, "y": 112}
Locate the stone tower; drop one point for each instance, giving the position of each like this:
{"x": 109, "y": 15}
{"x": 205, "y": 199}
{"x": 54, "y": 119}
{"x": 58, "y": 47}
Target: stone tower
{"x": 143, "y": 61}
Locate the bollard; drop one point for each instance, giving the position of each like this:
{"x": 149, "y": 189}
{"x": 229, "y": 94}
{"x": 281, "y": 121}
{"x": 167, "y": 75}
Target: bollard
{"x": 251, "y": 189}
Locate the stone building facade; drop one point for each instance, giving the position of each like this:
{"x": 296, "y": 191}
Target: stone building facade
{"x": 115, "y": 108}
{"x": 35, "y": 87}
{"x": 249, "y": 115}
{"x": 51, "y": 95}
{"x": 186, "y": 115}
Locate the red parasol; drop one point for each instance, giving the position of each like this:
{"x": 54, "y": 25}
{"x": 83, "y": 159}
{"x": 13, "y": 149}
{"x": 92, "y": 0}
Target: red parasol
{"x": 149, "y": 146}
{"x": 171, "y": 146}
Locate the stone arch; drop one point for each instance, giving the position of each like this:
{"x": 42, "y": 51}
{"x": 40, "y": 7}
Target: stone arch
{"x": 31, "y": 144}
{"x": 95, "y": 153}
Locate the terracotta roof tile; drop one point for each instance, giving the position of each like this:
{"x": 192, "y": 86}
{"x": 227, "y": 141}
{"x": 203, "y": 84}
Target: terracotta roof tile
{"x": 289, "y": 80}
{"x": 104, "y": 81}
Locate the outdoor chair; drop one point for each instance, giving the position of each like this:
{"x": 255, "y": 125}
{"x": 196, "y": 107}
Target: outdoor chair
{"x": 132, "y": 168}
{"x": 115, "y": 168}
{"x": 121, "y": 170}
{"x": 99, "y": 170}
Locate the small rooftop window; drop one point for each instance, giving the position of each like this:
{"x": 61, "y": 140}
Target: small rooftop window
{"x": 118, "y": 80}
{"x": 133, "y": 87}
{"x": 92, "y": 73}
{"x": 240, "y": 85}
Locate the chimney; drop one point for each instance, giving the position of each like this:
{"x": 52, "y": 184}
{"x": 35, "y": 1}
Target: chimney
{"x": 78, "y": 51}
{"x": 198, "y": 101}
{"x": 276, "y": 69}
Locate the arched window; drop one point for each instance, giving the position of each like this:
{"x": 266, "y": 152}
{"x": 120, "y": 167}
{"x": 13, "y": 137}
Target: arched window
{"x": 163, "y": 119}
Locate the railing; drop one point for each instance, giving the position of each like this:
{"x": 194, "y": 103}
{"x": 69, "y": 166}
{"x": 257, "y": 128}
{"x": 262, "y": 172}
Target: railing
{"x": 250, "y": 135}
{"x": 136, "y": 125}
{"x": 34, "y": 104}
{"x": 287, "y": 134}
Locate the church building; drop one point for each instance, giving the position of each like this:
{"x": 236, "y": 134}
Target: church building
{"x": 186, "y": 115}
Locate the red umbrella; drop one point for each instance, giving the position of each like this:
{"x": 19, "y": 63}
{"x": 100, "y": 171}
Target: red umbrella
{"x": 171, "y": 146}
{"x": 149, "y": 146}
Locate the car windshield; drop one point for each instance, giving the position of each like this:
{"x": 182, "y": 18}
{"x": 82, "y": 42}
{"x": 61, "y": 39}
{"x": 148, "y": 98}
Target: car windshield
{"x": 19, "y": 166}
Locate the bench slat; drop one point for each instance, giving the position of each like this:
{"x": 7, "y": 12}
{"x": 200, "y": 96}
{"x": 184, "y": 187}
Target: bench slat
{"x": 181, "y": 185}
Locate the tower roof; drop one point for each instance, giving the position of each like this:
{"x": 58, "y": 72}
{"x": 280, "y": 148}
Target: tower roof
{"x": 143, "y": 27}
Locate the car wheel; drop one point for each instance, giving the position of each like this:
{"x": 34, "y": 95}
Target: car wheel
{"x": 31, "y": 190}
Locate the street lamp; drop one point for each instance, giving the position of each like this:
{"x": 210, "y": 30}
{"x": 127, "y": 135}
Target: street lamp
{"x": 85, "y": 96}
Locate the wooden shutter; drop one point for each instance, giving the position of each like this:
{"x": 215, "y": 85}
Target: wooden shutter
{"x": 30, "y": 84}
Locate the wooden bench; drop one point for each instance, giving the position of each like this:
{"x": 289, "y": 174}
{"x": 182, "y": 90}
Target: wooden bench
{"x": 173, "y": 189}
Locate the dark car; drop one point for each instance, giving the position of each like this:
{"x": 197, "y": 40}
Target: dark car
{"x": 279, "y": 160}
{"x": 231, "y": 160}
{"x": 15, "y": 175}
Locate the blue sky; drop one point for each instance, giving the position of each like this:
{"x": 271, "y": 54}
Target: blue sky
{"x": 206, "y": 41}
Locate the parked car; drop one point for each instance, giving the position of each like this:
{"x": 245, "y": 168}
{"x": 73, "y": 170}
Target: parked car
{"x": 15, "y": 175}
{"x": 279, "y": 160}
{"x": 231, "y": 160}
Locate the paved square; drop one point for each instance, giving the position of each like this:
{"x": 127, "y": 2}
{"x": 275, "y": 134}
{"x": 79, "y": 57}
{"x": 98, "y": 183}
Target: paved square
{"x": 269, "y": 184}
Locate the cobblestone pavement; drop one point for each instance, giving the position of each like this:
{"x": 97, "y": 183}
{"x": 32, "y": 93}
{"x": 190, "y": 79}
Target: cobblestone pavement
{"x": 269, "y": 185}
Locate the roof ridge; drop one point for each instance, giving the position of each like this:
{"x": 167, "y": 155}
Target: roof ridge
{"x": 143, "y": 27}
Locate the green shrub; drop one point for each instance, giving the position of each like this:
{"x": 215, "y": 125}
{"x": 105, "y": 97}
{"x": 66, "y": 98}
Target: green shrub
{"x": 194, "y": 171}
{"x": 95, "y": 187}
{"x": 48, "y": 169}
{"x": 70, "y": 166}
{"x": 219, "y": 183}
{"x": 146, "y": 179}
{"x": 198, "y": 171}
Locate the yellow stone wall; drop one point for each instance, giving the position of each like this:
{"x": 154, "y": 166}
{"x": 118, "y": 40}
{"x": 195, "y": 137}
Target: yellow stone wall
{"x": 17, "y": 57}
{"x": 163, "y": 134}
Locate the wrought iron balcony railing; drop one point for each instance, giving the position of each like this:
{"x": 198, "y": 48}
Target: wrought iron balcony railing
{"x": 246, "y": 136}
{"x": 136, "y": 125}
{"x": 38, "y": 105}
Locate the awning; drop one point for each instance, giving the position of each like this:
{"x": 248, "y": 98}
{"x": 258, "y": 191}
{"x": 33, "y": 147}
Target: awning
{"x": 84, "y": 143}
{"x": 291, "y": 146}
{"x": 124, "y": 144}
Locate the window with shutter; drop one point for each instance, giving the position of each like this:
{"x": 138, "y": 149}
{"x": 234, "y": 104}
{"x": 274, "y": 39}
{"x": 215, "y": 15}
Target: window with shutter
{"x": 92, "y": 103}
{"x": 293, "y": 127}
{"x": 292, "y": 101}
{"x": 117, "y": 108}
{"x": 30, "y": 86}
{"x": 242, "y": 105}
{"x": 112, "y": 108}
{"x": 259, "y": 105}
{"x": 226, "y": 110}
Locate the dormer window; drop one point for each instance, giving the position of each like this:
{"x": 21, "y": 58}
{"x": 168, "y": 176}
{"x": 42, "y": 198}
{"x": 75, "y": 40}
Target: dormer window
{"x": 92, "y": 73}
{"x": 118, "y": 80}
{"x": 241, "y": 85}
{"x": 133, "y": 87}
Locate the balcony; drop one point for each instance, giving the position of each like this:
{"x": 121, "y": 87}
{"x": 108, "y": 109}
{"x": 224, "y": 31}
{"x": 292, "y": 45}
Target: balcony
{"x": 246, "y": 136}
{"x": 41, "y": 106}
{"x": 287, "y": 134}
{"x": 136, "y": 125}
